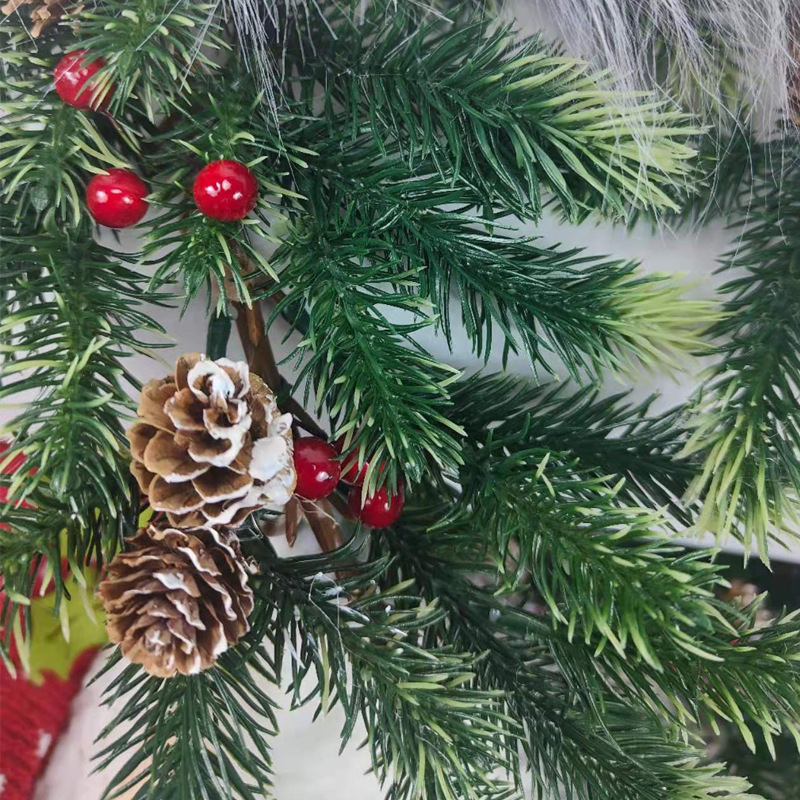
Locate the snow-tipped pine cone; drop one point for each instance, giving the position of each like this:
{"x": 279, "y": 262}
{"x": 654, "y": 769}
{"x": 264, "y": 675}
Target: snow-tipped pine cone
{"x": 177, "y": 599}
{"x": 43, "y": 14}
{"x": 210, "y": 445}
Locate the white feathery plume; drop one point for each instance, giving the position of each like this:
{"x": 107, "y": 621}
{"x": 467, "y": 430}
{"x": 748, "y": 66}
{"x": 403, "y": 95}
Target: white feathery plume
{"x": 700, "y": 39}
{"x": 262, "y": 28}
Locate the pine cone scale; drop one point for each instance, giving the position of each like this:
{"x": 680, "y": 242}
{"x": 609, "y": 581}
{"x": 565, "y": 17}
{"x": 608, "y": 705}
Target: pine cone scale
{"x": 174, "y": 498}
{"x": 182, "y": 414}
{"x": 164, "y": 456}
{"x": 43, "y": 14}
{"x": 139, "y": 435}
{"x": 204, "y": 448}
{"x": 155, "y": 394}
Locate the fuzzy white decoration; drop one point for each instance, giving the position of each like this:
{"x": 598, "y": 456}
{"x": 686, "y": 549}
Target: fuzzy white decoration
{"x": 622, "y": 36}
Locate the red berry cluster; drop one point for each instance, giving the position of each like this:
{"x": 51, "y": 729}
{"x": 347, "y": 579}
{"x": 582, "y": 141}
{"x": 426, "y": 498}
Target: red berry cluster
{"x": 225, "y": 190}
{"x": 319, "y": 469}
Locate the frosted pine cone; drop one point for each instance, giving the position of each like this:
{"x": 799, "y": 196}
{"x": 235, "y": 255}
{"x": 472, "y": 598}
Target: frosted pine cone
{"x": 210, "y": 445}
{"x": 177, "y": 599}
{"x": 43, "y": 14}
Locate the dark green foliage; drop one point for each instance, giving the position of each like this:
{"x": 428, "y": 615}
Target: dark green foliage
{"x": 545, "y": 301}
{"x": 150, "y": 50}
{"x": 223, "y": 118}
{"x": 48, "y": 150}
{"x": 775, "y": 776}
{"x": 405, "y": 203}
{"x": 642, "y": 606}
{"x": 198, "y": 736}
{"x": 71, "y": 315}
{"x": 559, "y": 526}
{"x": 364, "y": 369}
{"x": 432, "y": 731}
{"x": 538, "y": 664}
{"x": 529, "y": 600}
{"x": 390, "y": 205}
{"x": 512, "y": 119}
{"x": 608, "y": 436}
{"x": 747, "y": 426}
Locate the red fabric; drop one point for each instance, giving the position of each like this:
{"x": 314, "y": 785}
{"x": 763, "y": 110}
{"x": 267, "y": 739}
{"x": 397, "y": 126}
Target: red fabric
{"x": 32, "y": 716}
{"x": 32, "y": 719}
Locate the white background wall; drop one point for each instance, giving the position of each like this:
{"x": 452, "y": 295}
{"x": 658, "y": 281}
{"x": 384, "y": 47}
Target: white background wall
{"x": 306, "y": 760}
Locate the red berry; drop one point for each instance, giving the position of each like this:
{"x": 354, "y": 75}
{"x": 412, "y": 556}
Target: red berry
{"x": 74, "y": 85}
{"x": 225, "y": 190}
{"x": 350, "y": 471}
{"x": 317, "y": 468}
{"x": 12, "y": 466}
{"x": 116, "y": 199}
{"x": 379, "y": 511}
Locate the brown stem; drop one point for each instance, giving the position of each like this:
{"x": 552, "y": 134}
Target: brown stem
{"x": 793, "y": 78}
{"x": 261, "y": 359}
{"x": 339, "y": 502}
{"x": 256, "y": 344}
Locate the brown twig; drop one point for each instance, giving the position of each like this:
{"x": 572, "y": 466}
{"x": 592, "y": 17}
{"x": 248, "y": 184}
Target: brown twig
{"x": 261, "y": 360}
{"x": 339, "y": 502}
{"x": 793, "y": 78}
{"x": 256, "y": 344}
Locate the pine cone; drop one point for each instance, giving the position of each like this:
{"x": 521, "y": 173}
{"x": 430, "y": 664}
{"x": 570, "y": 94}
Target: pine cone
{"x": 43, "y": 14}
{"x": 177, "y": 599}
{"x": 210, "y": 445}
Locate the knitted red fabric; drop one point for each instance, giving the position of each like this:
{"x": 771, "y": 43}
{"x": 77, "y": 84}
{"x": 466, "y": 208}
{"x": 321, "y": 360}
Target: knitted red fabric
{"x": 32, "y": 716}
{"x": 32, "y": 719}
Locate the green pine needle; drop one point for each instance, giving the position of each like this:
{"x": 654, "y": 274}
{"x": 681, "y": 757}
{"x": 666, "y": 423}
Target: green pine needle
{"x": 510, "y": 117}
{"x": 747, "y": 425}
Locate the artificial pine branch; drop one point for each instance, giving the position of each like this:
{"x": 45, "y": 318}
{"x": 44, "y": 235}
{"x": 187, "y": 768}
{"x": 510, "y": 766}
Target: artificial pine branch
{"x": 71, "y": 315}
{"x": 606, "y": 749}
{"x": 203, "y": 735}
{"x": 364, "y": 369}
{"x": 432, "y": 732}
{"x": 604, "y": 572}
{"x": 548, "y": 610}
{"x": 747, "y": 425}
{"x": 527, "y": 648}
{"x": 219, "y": 119}
{"x": 510, "y": 118}
{"x": 592, "y": 313}
{"x": 150, "y": 50}
{"x": 48, "y": 147}
{"x": 607, "y": 437}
